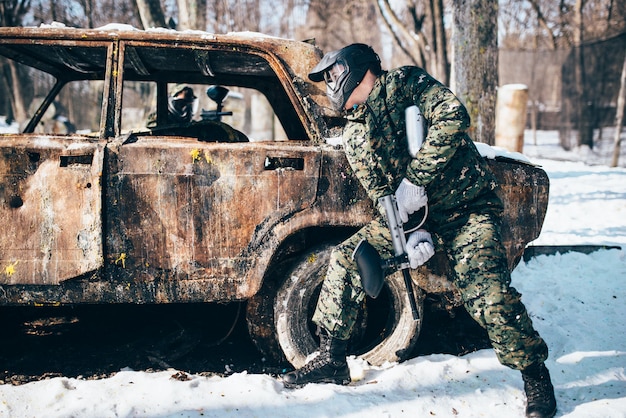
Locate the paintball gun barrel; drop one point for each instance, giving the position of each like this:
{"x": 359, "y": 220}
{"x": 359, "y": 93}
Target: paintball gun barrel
{"x": 398, "y": 239}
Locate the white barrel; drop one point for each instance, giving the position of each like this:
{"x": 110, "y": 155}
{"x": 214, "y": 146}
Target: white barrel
{"x": 511, "y": 116}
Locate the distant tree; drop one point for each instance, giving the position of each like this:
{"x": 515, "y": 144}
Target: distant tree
{"x": 475, "y": 80}
{"x": 12, "y": 13}
{"x": 571, "y": 25}
{"x": 583, "y": 110}
{"x": 619, "y": 116}
{"x": 421, "y": 35}
{"x": 150, "y": 13}
{"x": 335, "y": 24}
{"x": 192, "y": 14}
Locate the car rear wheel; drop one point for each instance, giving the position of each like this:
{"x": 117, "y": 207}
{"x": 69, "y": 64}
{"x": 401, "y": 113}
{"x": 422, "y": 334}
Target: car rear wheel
{"x": 385, "y": 331}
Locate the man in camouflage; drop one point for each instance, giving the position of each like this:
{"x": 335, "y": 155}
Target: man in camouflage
{"x": 449, "y": 174}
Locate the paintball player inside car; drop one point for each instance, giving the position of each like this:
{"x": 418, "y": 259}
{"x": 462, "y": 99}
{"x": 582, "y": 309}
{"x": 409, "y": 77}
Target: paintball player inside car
{"x": 180, "y": 106}
{"x": 464, "y": 214}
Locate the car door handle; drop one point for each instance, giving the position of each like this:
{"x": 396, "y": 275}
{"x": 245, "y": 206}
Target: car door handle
{"x": 67, "y": 160}
{"x": 274, "y": 163}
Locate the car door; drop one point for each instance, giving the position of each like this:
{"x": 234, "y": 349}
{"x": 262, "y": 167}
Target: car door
{"x": 179, "y": 209}
{"x": 50, "y": 214}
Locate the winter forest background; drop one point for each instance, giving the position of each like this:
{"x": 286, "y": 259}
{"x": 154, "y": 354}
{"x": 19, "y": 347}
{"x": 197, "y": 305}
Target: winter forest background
{"x": 570, "y": 53}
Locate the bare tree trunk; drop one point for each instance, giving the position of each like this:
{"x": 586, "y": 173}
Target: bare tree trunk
{"x": 543, "y": 24}
{"x": 183, "y": 15}
{"x": 201, "y": 22}
{"x": 415, "y": 43}
{"x": 475, "y": 50}
{"x": 151, "y": 13}
{"x": 18, "y": 105}
{"x": 619, "y": 116}
{"x": 584, "y": 111}
{"x": 535, "y": 102}
{"x": 87, "y": 6}
{"x": 442, "y": 71}
{"x": 12, "y": 14}
{"x": 192, "y": 14}
{"x": 411, "y": 43}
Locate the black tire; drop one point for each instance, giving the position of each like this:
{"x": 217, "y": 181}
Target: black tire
{"x": 386, "y": 331}
{"x": 260, "y": 318}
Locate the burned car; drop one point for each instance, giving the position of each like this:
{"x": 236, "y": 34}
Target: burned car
{"x": 240, "y": 203}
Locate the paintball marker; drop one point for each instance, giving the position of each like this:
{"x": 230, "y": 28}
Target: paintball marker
{"x": 217, "y": 94}
{"x": 371, "y": 268}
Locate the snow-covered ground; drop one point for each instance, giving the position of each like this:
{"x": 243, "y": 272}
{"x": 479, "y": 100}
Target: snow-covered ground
{"x": 577, "y": 302}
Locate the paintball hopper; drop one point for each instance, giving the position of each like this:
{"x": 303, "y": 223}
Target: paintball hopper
{"x": 217, "y": 94}
{"x": 370, "y": 268}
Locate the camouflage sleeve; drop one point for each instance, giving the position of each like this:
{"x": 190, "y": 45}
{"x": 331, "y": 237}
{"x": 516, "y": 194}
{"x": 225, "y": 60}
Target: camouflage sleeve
{"x": 448, "y": 121}
{"x": 379, "y": 159}
{"x": 365, "y": 163}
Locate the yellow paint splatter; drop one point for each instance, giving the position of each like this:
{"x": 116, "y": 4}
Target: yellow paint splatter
{"x": 207, "y": 157}
{"x": 42, "y": 304}
{"x": 195, "y": 155}
{"x": 10, "y": 269}
{"x": 121, "y": 259}
{"x": 312, "y": 258}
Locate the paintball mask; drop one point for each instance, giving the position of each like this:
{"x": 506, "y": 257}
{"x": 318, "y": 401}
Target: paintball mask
{"x": 343, "y": 70}
{"x": 180, "y": 105}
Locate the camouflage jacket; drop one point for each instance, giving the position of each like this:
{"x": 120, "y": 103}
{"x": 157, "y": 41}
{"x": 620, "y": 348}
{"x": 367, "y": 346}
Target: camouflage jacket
{"x": 448, "y": 165}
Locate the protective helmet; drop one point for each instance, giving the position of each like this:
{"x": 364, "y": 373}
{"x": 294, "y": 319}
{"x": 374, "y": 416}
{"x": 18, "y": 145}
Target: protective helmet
{"x": 343, "y": 70}
{"x": 176, "y": 89}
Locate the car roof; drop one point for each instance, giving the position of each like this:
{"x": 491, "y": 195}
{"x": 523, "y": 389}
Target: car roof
{"x": 155, "y": 54}
{"x": 244, "y": 59}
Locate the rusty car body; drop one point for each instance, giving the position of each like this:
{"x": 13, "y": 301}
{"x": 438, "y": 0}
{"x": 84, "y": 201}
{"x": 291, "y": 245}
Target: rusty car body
{"x": 165, "y": 214}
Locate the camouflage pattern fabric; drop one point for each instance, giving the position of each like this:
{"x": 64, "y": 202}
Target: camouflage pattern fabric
{"x": 473, "y": 245}
{"x": 342, "y": 292}
{"x": 463, "y": 210}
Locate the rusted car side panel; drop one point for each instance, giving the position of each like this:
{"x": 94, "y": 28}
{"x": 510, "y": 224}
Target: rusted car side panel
{"x": 524, "y": 190}
{"x": 164, "y": 242}
{"x": 51, "y": 211}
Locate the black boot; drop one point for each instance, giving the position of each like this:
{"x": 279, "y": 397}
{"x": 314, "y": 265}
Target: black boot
{"x": 330, "y": 366}
{"x": 540, "y": 400}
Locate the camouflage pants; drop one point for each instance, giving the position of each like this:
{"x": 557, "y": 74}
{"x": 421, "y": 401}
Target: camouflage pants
{"x": 478, "y": 259}
{"x": 477, "y": 256}
{"x": 342, "y": 292}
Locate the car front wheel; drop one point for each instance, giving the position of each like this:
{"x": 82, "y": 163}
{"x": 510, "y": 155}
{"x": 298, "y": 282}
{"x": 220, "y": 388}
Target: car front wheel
{"x": 385, "y": 331}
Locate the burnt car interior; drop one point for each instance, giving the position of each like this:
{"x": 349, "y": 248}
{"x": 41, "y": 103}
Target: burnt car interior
{"x": 160, "y": 65}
